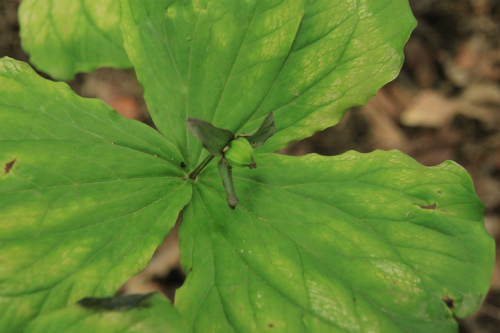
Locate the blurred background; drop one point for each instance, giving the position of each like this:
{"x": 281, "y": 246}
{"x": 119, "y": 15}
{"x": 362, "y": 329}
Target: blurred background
{"x": 444, "y": 105}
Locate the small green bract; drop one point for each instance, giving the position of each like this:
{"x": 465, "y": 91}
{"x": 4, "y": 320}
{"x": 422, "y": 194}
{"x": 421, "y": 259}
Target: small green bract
{"x": 240, "y": 153}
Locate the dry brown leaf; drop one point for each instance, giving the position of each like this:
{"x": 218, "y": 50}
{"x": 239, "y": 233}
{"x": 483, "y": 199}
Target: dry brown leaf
{"x": 430, "y": 109}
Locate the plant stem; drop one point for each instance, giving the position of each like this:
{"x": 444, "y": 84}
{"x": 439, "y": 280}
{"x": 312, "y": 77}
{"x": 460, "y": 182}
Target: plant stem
{"x": 200, "y": 167}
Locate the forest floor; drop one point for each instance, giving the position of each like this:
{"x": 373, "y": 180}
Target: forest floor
{"x": 444, "y": 105}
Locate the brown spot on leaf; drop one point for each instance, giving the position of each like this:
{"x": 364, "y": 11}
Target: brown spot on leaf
{"x": 449, "y": 302}
{"x": 8, "y": 166}
{"x": 433, "y": 206}
{"x": 270, "y": 325}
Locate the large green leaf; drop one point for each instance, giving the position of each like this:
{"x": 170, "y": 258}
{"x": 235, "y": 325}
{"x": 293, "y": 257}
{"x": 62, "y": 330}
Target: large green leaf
{"x": 233, "y": 62}
{"x": 354, "y": 243}
{"x": 152, "y": 315}
{"x": 71, "y": 36}
{"x": 85, "y": 195}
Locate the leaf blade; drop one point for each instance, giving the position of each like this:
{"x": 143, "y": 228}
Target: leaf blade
{"x": 236, "y": 62}
{"x": 81, "y": 36}
{"x": 87, "y": 200}
{"x": 345, "y": 248}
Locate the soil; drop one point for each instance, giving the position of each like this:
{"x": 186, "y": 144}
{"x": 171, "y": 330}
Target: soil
{"x": 444, "y": 105}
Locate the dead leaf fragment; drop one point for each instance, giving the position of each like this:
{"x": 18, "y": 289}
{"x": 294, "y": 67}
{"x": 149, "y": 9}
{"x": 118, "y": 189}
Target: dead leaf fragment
{"x": 430, "y": 109}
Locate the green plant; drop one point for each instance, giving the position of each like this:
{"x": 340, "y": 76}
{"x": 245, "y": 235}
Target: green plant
{"x": 352, "y": 243}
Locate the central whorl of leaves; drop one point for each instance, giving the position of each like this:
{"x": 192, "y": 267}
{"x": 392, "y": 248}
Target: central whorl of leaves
{"x": 234, "y": 151}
